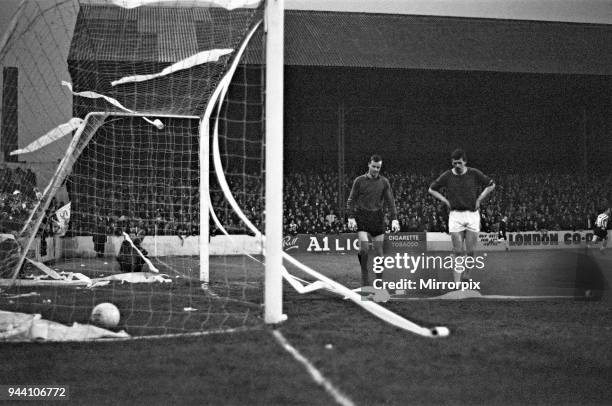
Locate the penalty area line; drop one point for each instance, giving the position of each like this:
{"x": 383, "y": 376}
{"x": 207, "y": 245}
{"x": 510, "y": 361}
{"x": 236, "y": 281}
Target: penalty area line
{"x": 316, "y": 375}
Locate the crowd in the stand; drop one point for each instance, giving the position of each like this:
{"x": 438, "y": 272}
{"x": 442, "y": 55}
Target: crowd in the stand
{"x": 161, "y": 207}
{"x": 16, "y": 178}
{"x": 18, "y": 196}
{"x": 312, "y": 204}
{"x": 536, "y": 202}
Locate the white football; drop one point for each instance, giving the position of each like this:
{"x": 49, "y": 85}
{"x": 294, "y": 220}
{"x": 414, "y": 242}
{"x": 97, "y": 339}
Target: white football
{"x": 105, "y": 315}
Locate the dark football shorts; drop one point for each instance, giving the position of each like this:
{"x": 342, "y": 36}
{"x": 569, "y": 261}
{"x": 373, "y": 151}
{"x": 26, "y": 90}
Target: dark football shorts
{"x": 372, "y": 222}
{"x": 599, "y": 232}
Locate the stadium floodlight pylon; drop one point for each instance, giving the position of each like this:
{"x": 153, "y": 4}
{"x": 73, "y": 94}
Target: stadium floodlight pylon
{"x": 146, "y": 90}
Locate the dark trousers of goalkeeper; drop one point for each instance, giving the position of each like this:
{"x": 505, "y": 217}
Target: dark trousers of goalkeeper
{"x": 370, "y": 225}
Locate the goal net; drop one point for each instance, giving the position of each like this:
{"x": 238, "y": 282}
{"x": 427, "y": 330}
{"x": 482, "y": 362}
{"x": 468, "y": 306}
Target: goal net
{"x": 108, "y": 112}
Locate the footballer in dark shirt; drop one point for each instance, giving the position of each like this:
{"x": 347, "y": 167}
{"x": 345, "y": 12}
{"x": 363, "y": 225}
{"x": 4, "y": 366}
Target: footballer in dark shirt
{"x": 365, "y": 204}
{"x": 465, "y": 188}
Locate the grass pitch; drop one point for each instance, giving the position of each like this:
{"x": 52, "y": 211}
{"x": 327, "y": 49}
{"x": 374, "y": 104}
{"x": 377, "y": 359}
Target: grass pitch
{"x": 499, "y": 352}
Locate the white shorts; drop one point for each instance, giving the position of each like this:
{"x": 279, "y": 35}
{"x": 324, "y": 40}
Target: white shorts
{"x": 464, "y": 220}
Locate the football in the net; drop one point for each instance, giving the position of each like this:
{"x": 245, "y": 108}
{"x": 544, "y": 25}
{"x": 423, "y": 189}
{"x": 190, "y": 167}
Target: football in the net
{"x": 105, "y": 315}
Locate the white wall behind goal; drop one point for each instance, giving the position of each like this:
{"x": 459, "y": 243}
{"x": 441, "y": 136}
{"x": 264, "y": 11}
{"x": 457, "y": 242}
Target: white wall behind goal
{"x": 162, "y": 246}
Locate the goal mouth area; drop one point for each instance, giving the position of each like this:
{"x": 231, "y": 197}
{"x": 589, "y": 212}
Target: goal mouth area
{"x": 182, "y": 305}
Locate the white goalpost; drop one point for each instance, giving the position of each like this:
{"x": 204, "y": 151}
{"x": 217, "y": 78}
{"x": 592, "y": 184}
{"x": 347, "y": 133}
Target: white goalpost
{"x": 274, "y": 25}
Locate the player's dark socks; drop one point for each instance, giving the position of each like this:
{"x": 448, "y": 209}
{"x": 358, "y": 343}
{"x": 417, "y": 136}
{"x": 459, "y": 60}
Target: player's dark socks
{"x": 363, "y": 262}
{"x": 364, "y": 279}
{"x": 378, "y": 276}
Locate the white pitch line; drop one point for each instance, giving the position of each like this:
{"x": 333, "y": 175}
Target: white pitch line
{"x": 471, "y": 294}
{"x": 489, "y": 297}
{"x": 316, "y": 375}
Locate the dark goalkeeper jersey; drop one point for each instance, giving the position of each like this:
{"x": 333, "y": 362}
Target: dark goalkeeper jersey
{"x": 462, "y": 190}
{"x": 370, "y": 194}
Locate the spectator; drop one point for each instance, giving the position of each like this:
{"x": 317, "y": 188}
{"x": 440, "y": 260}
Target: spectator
{"x": 129, "y": 259}
{"x": 99, "y": 236}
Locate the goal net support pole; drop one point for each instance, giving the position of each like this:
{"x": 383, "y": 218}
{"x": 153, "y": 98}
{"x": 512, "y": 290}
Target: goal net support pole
{"x": 204, "y": 156}
{"x": 84, "y": 133}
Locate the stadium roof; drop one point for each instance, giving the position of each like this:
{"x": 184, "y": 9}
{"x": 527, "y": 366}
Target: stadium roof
{"x": 341, "y": 39}
{"x": 449, "y": 43}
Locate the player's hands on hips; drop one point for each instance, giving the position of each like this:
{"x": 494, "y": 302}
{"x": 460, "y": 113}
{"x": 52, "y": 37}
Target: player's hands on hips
{"x": 352, "y": 224}
{"x": 395, "y": 226}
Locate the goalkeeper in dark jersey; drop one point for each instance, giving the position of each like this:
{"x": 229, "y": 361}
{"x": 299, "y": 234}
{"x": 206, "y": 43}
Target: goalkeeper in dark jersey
{"x": 369, "y": 193}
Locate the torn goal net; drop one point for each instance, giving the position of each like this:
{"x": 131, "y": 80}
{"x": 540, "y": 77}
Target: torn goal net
{"x": 102, "y": 114}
